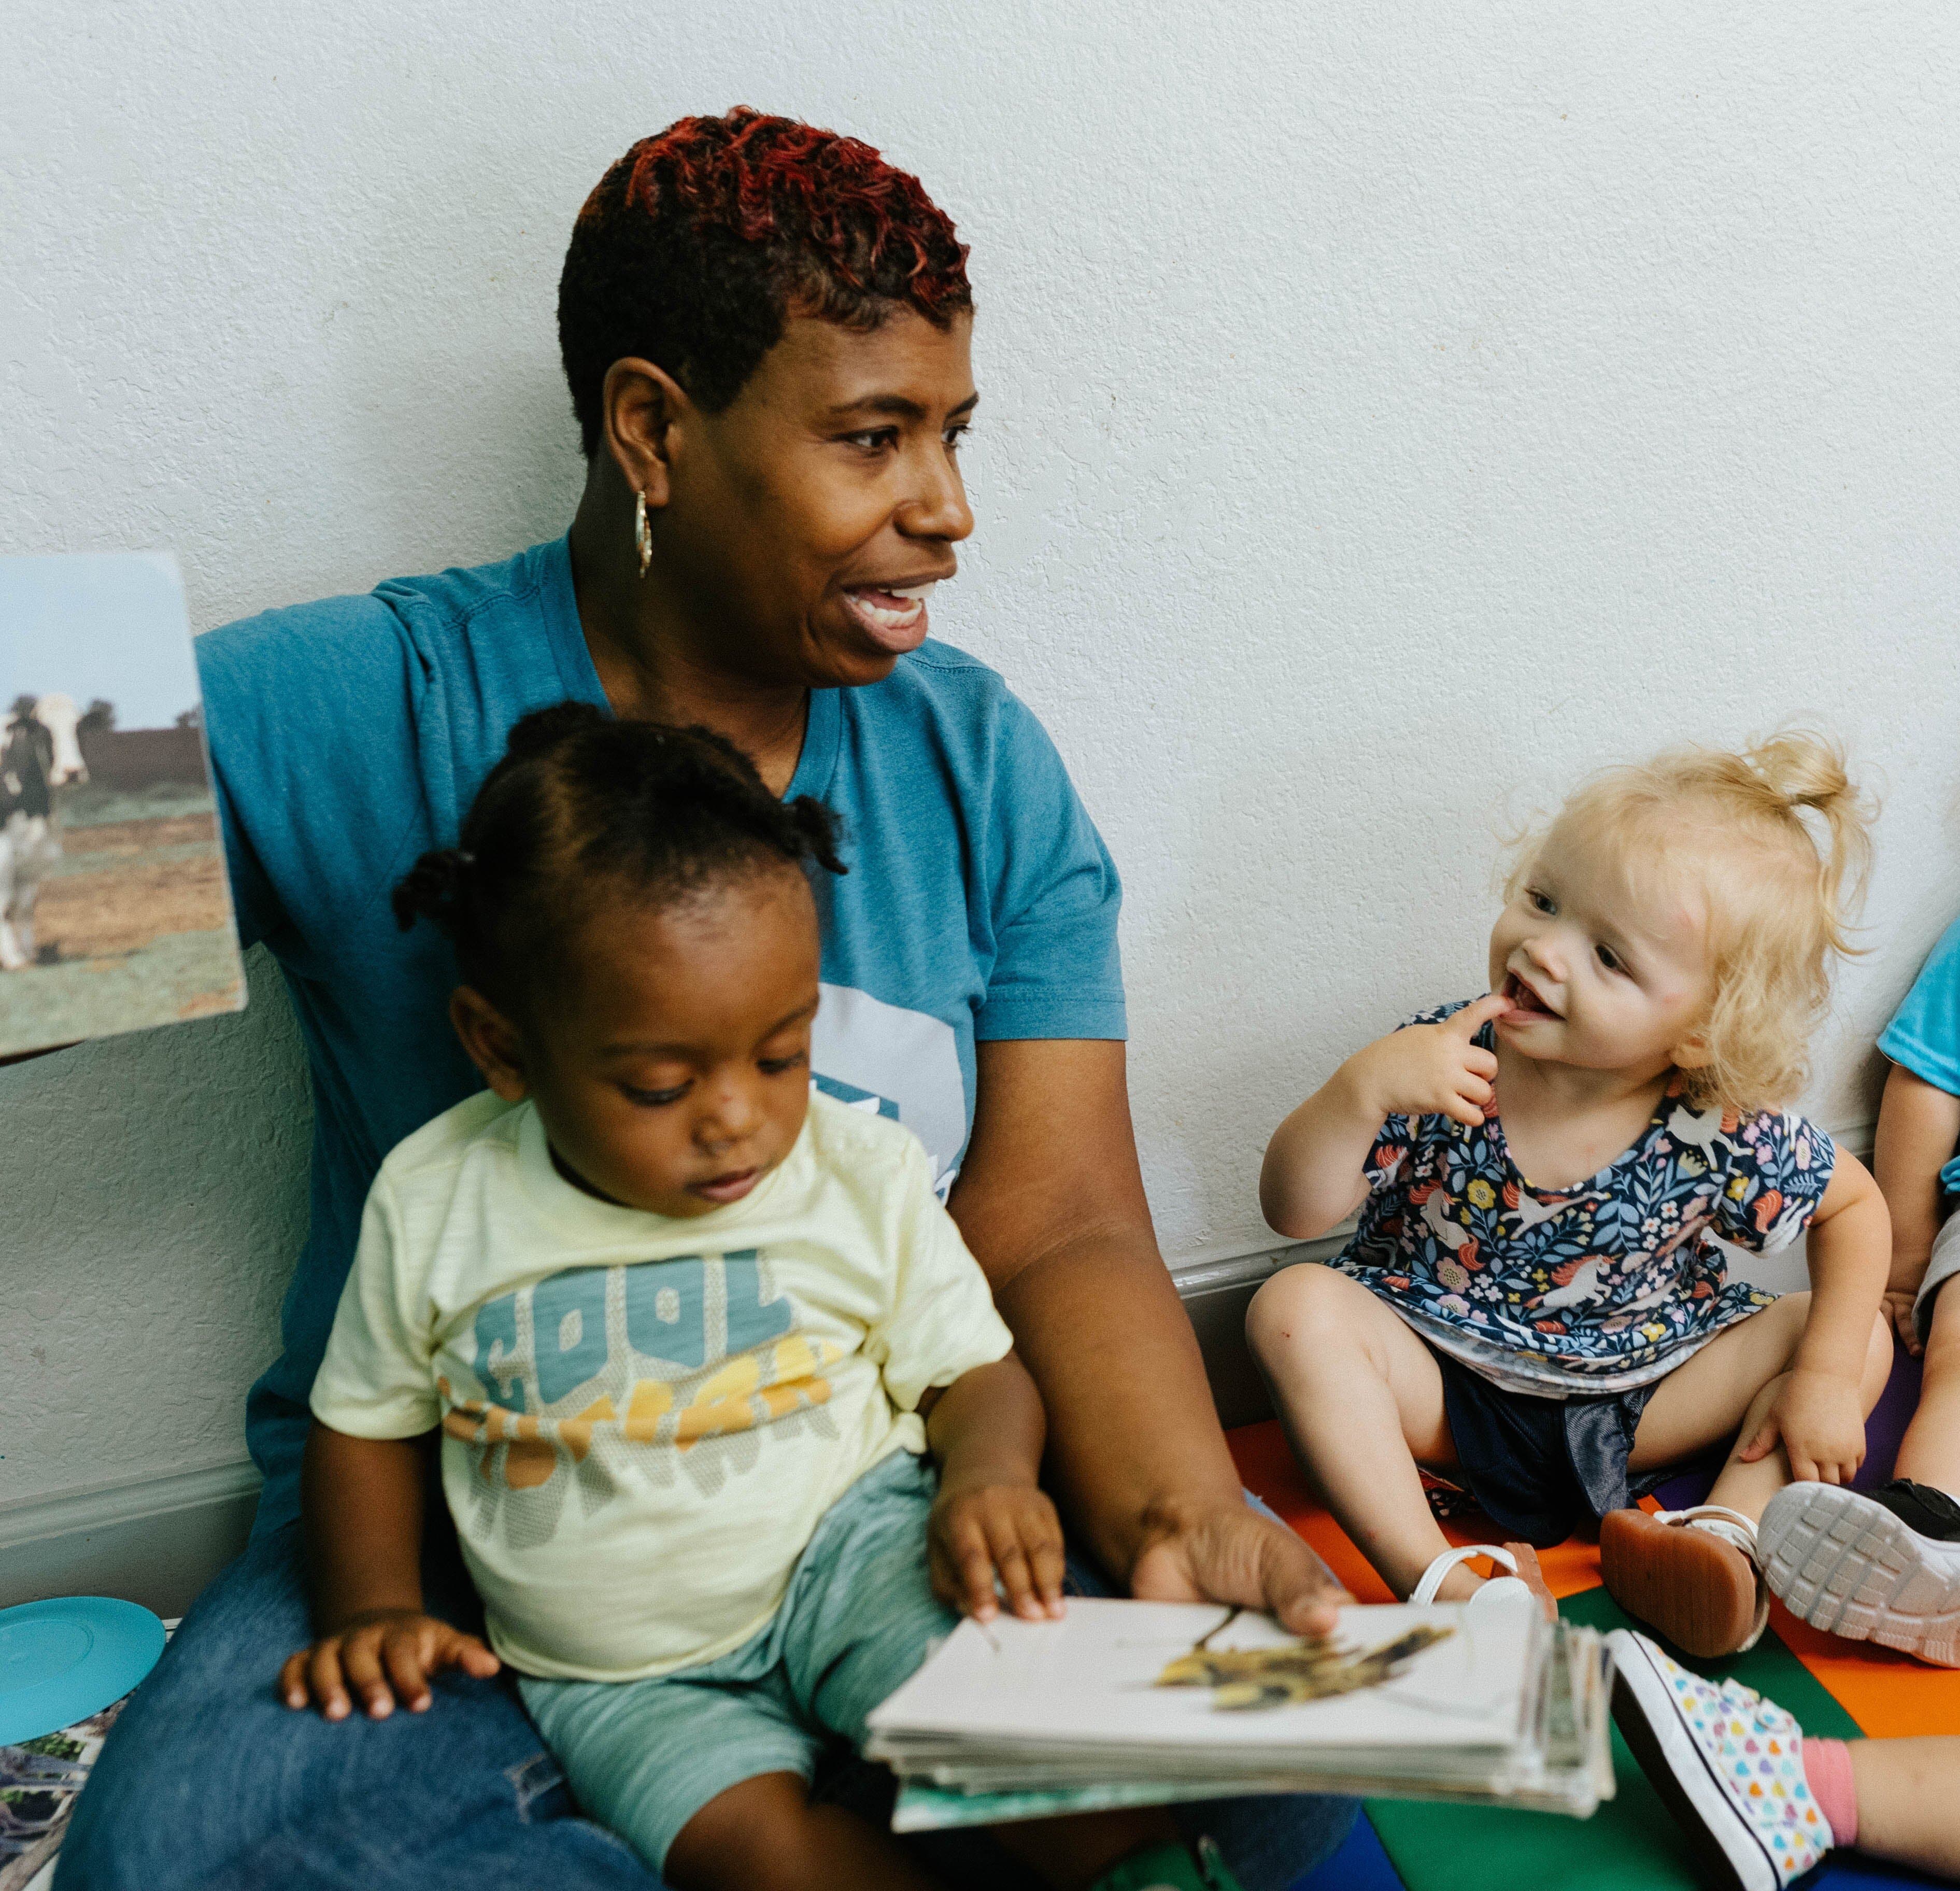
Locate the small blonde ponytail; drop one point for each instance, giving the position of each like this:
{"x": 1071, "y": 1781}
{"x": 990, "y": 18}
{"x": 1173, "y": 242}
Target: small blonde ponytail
{"x": 1803, "y": 770}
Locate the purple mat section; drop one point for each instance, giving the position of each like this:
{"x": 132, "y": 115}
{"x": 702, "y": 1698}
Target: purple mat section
{"x": 1359, "y": 1865}
{"x": 1883, "y": 1431}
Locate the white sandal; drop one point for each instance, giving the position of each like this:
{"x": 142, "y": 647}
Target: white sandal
{"x": 1496, "y": 1589}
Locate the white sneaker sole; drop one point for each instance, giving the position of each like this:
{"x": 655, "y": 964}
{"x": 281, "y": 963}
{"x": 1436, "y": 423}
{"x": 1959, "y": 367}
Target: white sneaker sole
{"x": 1843, "y": 1563}
{"x": 1725, "y": 1844}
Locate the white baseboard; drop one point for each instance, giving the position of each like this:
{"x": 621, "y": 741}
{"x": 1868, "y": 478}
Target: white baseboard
{"x": 153, "y": 1540}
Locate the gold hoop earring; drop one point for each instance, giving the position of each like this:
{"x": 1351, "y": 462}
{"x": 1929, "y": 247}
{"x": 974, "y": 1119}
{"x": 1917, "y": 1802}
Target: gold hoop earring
{"x": 643, "y": 537}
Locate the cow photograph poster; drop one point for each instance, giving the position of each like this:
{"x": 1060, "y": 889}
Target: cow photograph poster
{"x": 114, "y": 912}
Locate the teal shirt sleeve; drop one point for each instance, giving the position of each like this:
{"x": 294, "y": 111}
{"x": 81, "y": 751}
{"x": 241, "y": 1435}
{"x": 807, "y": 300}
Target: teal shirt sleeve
{"x": 1055, "y": 896}
{"x": 1924, "y": 1034}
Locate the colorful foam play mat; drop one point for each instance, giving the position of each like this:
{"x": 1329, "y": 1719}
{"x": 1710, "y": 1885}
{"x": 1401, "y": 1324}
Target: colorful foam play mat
{"x": 1836, "y": 1689}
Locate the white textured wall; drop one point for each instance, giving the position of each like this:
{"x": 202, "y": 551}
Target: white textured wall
{"x": 1389, "y": 410}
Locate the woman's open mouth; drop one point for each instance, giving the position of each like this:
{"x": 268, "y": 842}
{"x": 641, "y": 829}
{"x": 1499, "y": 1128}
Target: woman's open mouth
{"x": 1526, "y": 1005}
{"x": 895, "y": 619}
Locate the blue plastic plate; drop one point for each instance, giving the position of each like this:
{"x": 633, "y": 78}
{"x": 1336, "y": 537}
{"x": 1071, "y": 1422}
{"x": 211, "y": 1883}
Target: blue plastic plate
{"x": 64, "y": 1659}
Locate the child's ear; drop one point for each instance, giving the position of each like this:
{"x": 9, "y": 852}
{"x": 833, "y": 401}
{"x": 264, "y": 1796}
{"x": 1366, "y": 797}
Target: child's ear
{"x": 491, "y": 1040}
{"x": 1692, "y": 1052}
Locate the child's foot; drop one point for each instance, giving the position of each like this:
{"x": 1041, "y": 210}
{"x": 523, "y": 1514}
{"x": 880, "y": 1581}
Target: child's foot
{"x": 1525, "y": 1578}
{"x": 1728, "y": 1764}
{"x": 1691, "y": 1574}
{"x": 1880, "y": 1566}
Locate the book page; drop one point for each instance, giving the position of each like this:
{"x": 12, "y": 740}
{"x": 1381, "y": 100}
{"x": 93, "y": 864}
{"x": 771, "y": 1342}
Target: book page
{"x": 1089, "y": 1678}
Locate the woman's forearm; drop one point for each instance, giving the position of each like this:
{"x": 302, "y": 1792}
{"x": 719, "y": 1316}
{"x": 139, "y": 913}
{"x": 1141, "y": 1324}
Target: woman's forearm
{"x": 1919, "y": 1127}
{"x": 361, "y": 1508}
{"x": 1134, "y": 1446}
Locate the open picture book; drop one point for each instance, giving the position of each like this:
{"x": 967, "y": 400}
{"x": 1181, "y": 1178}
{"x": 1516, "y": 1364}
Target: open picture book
{"x": 1132, "y": 1703}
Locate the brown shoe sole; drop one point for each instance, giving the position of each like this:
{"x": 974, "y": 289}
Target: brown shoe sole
{"x": 1532, "y": 1577}
{"x": 1691, "y": 1587}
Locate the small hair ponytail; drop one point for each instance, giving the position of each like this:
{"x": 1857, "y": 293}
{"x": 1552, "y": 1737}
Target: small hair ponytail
{"x": 1804, "y": 772}
{"x": 433, "y": 888}
{"x": 818, "y": 826}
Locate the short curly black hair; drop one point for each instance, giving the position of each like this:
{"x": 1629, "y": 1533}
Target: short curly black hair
{"x": 583, "y": 808}
{"x": 700, "y": 241}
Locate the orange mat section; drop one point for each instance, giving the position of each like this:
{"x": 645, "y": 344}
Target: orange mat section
{"x": 1886, "y": 1694}
{"x": 1267, "y": 1469}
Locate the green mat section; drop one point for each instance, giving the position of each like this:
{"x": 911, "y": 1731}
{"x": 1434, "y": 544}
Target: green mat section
{"x": 1630, "y": 1844}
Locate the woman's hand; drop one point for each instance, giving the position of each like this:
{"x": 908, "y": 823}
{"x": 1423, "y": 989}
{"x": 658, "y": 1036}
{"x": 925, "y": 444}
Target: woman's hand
{"x": 382, "y": 1656}
{"x": 1232, "y": 1554}
{"x": 980, "y": 1532}
{"x": 1820, "y": 1418}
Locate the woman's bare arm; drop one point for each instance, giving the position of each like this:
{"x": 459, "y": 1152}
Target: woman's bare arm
{"x": 1050, "y": 1200}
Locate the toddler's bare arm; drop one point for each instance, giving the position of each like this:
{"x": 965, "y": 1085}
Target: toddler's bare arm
{"x": 1313, "y": 1176}
{"x": 362, "y": 1513}
{"x": 1919, "y": 1127}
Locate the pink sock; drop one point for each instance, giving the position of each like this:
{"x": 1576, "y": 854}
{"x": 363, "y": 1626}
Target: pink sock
{"x": 1827, "y": 1770}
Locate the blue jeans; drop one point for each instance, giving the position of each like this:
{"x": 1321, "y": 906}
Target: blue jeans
{"x": 209, "y": 1783}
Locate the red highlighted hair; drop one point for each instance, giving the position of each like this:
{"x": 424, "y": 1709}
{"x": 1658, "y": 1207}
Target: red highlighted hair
{"x": 702, "y": 240}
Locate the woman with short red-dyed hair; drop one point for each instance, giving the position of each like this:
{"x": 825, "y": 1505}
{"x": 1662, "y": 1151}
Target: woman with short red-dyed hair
{"x": 766, "y": 330}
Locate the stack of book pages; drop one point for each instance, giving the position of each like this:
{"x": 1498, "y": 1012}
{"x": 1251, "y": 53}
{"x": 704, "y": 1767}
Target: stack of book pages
{"x": 1131, "y": 1703}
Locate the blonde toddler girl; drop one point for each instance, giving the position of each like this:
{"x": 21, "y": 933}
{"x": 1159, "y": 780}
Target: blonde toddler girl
{"x": 1536, "y": 1302}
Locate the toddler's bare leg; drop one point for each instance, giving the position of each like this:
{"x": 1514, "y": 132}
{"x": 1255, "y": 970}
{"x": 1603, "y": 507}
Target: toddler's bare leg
{"x": 763, "y": 1834}
{"x": 1361, "y": 1398}
{"x": 1929, "y": 1453}
{"x": 1728, "y": 1386}
{"x": 1908, "y": 1791}
{"x": 1696, "y": 1586}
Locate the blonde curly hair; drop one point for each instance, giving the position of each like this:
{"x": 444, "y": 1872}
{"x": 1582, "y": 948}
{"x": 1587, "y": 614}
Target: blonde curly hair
{"x": 1777, "y": 839}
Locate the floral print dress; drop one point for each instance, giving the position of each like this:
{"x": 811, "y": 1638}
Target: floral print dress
{"x": 1590, "y": 1290}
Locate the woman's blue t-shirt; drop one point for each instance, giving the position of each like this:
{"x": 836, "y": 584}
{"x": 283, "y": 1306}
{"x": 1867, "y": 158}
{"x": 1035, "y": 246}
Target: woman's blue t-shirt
{"x": 348, "y": 737}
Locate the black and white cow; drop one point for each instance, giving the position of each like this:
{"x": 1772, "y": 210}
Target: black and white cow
{"x": 38, "y": 752}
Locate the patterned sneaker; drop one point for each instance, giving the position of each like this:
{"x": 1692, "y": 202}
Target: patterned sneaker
{"x": 1881, "y": 1566}
{"x": 1728, "y": 1764}
{"x": 1692, "y": 1575}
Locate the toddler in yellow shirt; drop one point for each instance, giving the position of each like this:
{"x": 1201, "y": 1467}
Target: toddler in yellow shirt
{"x": 728, "y": 1422}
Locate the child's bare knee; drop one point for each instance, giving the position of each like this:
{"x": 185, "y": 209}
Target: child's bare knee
{"x": 1299, "y": 1306}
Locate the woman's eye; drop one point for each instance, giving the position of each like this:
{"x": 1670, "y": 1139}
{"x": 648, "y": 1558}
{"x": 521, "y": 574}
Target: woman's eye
{"x": 873, "y": 440}
{"x": 652, "y": 1099}
{"x": 953, "y": 436}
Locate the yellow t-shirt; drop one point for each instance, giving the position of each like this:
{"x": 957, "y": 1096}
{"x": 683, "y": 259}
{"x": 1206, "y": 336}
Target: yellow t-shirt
{"x": 644, "y": 1418}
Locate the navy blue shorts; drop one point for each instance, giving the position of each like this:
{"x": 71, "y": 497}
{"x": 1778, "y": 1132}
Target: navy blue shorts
{"x": 1541, "y": 1468}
